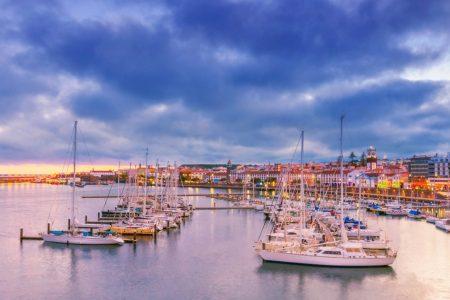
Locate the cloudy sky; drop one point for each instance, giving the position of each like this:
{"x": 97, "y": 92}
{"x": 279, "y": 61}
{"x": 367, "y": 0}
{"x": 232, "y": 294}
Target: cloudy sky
{"x": 208, "y": 81}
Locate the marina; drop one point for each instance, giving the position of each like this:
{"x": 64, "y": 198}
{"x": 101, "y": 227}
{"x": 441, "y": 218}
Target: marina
{"x": 242, "y": 150}
{"x": 217, "y": 242}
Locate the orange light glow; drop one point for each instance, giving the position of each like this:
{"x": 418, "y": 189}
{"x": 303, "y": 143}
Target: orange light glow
{"x": 49, "y": 168}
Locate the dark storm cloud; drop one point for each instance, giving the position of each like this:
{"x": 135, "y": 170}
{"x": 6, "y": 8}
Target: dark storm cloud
{"x": 213, "y": 74}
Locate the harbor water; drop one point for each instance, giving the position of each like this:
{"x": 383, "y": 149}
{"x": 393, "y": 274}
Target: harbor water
{"x": 210, "y": 257}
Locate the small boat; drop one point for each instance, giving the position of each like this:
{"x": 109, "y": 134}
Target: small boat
{"x": 415, "y": 214}
{"x": 376, "y": 208}
{"x": 394, "y": 212}
{"x": 443, "y": 224}
{"x": 83, "y": 238}
{"x": 395, "y": 209}
{"x": 353, "y": 223}
{"x": 431, "y": 219}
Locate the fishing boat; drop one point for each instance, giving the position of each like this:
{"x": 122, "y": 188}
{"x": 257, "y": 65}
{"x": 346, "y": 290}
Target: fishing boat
{"x": 73, "y": 235}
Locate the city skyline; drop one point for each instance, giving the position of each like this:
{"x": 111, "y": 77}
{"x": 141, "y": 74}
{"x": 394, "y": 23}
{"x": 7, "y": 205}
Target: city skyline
{"x": 205, "y": 82}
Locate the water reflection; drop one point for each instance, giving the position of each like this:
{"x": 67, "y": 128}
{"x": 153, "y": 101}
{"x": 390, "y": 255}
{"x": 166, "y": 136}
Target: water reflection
{"x": 210, "y": 257}
{"x": 343, "y": 275}
{"x": 337, "y": 283}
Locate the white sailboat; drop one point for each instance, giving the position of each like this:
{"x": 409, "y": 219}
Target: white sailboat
{"x": 337, "y": 254}
{"x": 72, "y": 236}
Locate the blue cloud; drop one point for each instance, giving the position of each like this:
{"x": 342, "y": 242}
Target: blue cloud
{"x": 230, "y": 74}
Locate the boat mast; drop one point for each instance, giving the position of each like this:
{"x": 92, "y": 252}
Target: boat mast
{"x": 343, "y": 233}
{"x": 118, "y": 181}
{"x": 72, "y": 223}
{"x": 302, "y": 187}
{"x": 144, "y": 205}
{"x": 157, "y": 197}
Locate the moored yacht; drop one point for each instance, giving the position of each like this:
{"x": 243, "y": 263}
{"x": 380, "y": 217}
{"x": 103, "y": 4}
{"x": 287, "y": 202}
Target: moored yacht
{"x": 415, "y": 214}
{"x": 73, "y": 236}
{"x": 349, "y": 254}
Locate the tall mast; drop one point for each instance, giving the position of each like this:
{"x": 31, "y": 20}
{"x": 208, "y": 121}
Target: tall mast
{"x": 157, "y": 184}
{"x": 343, "y": 233}
{"x": 144, "y": 206}
{"x": 74, "y": 175}
{"x": 118, "y": 181}
{"x": 302, "y": 188}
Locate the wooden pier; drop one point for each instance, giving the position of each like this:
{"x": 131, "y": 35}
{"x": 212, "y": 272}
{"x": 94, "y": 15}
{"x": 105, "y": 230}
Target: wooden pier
{"x": 22, "y": 236}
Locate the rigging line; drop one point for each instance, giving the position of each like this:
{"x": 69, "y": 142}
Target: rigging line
{"x": 107, "y": 197}
{"x": 83, "y": 140}
{"x": 262, "y": 229}
{"x": 67, "y": 155}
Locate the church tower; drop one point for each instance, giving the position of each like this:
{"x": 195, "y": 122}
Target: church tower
{"x": 371, "y": 158}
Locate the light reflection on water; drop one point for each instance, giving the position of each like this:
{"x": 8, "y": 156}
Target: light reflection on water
{"x": 210, "y": 257}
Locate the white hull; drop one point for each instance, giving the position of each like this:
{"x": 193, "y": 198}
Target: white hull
{"x": 81, "y": 240}
{"x": 432, "y": 220}
{"x": 259, "y": 207}
{"x": 415, "y": 217}
{"x": 325, "y": 261}
{"x": 442, "y": 226}
{"x": 396, "y": 213}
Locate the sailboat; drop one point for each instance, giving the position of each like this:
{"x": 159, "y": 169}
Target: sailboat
{"x": 73, "y": 236}
{"x": 341, "y": 253}
{"x": 134, "y": 224}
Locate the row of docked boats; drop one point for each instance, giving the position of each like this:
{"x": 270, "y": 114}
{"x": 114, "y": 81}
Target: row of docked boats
{"x": 300, "y": 232}
{"x": 137, "y": 212}
{"x": 415, "y": 213}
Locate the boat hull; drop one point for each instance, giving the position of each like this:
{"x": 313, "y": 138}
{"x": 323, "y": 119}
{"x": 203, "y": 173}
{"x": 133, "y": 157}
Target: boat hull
{"x": 133, "y": 230}
{"x": 441, "y": 226}
{"x": 81, "y": 240}
{"x": 325, "y": 261}
{"x": 395, "y": 213}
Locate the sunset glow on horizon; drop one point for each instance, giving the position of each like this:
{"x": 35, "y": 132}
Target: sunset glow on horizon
{"x": 43, "y": 168}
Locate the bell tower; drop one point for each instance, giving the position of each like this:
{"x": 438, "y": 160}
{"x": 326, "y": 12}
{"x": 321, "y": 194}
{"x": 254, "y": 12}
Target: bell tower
{"x": 371, "y": 158}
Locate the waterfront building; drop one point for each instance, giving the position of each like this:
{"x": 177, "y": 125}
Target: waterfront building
{"x": 439, "y": 166}
{"x": 419, "y": 166}
{"x": 357, "y": 177}
{"x": 229, "y": 167}
{"x": 440, "y": 183}
{"x": 331, "y": 177}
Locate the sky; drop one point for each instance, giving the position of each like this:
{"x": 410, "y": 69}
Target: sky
{"x": 207, "y": 81}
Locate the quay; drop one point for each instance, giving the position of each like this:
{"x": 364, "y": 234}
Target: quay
{"x": 22, "y": 236}
{"x": 223, "y": 207}
{"x": 152, "y": 197}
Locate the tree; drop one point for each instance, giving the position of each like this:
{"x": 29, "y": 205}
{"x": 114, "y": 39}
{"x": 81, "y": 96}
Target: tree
{"x": 363, "y": 160}
{"x": 352, "y": 159}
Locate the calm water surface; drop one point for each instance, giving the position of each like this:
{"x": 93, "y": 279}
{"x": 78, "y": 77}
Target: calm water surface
{"x": 210, "y": 257}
